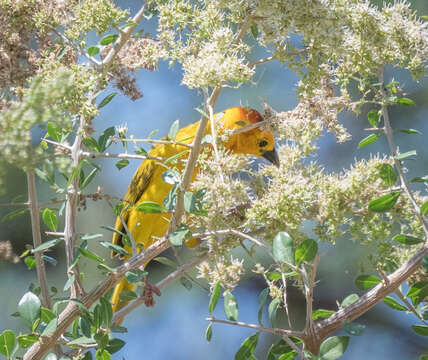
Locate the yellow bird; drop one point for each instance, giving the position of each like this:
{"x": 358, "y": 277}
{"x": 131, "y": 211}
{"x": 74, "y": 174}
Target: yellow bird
{"x": 147, "y": 183}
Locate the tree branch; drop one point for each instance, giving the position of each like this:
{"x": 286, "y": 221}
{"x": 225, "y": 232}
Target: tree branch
{"x": 37, "y": 238}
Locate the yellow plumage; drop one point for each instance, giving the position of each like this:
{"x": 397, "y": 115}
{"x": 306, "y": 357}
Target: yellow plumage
{"x": 147, "y": 183}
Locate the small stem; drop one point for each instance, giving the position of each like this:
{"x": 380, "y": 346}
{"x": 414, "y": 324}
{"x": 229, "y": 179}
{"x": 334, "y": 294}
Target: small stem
{"x": 14, "y": 204}
{"x": 37, "y": 239}
{"x": 394, "y": 152}
{"x": 276, "y": 331}
{"x": 161, "y": 284}
{"x": 294, "y": 346}
{"x": 95, "y": 155}
{"x": 154, "y": 141}
{"x": 409, "y": 305}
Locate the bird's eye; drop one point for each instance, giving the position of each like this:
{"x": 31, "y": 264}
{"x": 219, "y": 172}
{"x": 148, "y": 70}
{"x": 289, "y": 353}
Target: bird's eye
{"x": 263, "y": 143}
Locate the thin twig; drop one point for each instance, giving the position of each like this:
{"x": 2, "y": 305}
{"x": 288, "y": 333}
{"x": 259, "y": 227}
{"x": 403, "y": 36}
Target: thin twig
{"x": 54, "y": 233}
{"x": 37, "y": 239}
{"x": 309, "y": 291}
{"x": 409, "y": 305}
{"x": 161, "y": 284}
{"x": 14, "y": 204}
{"x": 394, "y": 153}
{"x": 295, "y": 347}
{"x": 123, "y": 38}
{"x": 154, "y": 141}
{"x": 276, "y": 331}
{"x": 94, "y": 155}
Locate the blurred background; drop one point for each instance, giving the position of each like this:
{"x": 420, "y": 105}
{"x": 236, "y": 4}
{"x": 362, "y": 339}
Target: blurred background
{"x": 175, "y": 327}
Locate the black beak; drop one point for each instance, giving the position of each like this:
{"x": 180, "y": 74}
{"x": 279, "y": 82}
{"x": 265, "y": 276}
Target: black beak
{"x": 271, "y": 156}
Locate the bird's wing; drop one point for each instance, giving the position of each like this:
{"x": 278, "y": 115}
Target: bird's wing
{"x": 139, "y": 183}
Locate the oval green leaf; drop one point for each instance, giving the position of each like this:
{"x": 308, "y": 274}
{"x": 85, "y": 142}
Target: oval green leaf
{"x": 7, "y": 343}
{"x": 272, "y": 310}
{"x": 373, "y": 117}
{"x": 247, "y": 347}
{"x": 394, "y": 304}
{"x": 106, "y": 40}
{"x": 418, "y": 292}
{"x": 306, "y": 251}
{"x": 424, "y": 208}
{"x": 214, "y": 297}
{"x": 150, "y": 207}
{"x": 173, "y": 130}
{"x": 29, "y": 308}
{"x": 48, "y": 244}
{"x": 385, "y": 202}
{"x": 365, "y": 282}
{"x": 407, "y": 240}
{"x": 369, "y": 139}
{"x": 50, "y": 219}
{"x": 230, "y": 306}
{"x": 333, "y": 348}
{"x": 322, "y": 314}
{"x": 350, "y": 299}
{"x": 388, "y": 174}
{"x": 420, "y": 329}
{"x": 283, "y": 248}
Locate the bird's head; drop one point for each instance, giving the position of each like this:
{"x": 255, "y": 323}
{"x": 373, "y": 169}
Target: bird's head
{"x": 252, "y": 142}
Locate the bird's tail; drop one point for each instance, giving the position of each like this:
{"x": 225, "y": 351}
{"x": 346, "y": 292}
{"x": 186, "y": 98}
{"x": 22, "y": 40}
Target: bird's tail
{"x": 118, "y": 304}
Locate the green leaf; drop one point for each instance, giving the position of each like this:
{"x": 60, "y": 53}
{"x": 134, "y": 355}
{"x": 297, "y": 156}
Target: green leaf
{"x": 322, "y": 314}
{"x": 105, "y": 140}
{"x": 230, "y": 306}
{"x": 135, "y": 276}
{"x": 373, "y": 118}
{"x": 407, "y": 240}
{"x": 350, "y": 299}
{"x": 165, "y": 261}
{"x": 93, "y": 50}
{"x": 333, "y": 348}
{"x": 423, "y": 179}
{"x": 25, "y": 341}
{"x": 50, "y": 219}
{"x": 247, "y": 347}
{"x": 90, "y": 255}
{"x": 272, "y": 310}
{"x": 418, "y": 292}
{"x": 69, "y": 282}
{"x": 306, "y": 251}
{"x": 190, "y": 202}
{"x": 50, "y": 327}
{"x": 112, "y": 229}
{"x": 388, "y": 174}
{"x": 176, "y": 156}
{"x": 405, "y": 155}
{"x": 153, "y": 133}
{"x": 85, "y": 326}
{"x": 394, "y": 304}
{"x": 209, "y": 332}
{"x": 116, "y": 248}
{"x": 369, "y": 139}
{"x": 106, "y": 100}
{"x": 424, "y": 262}
{"x": 106, "y": 40}
{"x": 420, "y": 329}
{"x": 47, "y": 245}
{"x": 283, "y": 248}
{"x": 385, "y": 202}
{"x": 13, "y": 214}
{"x": 29, "y": 308}
{"x": 254, "y": 30}
{"x": 365, "y": 282}
{"x": 30, "y": 261}
{"x": 173, "y": 130}
{"x": 214, "y": 297}
{"x": 405, "y": 101}
{"x": 182, "y": 233}
{"x": 263, "y": 296}
{"x": 409, "y": 131}
{"x": 91, "y": 144}
{"x": 186, "y": 283}
{"x": 353, "y": 329}
{"x": 240, "y": 123}
{"x": 114, "y": 345}
{"x": 87, "y": 180}
{"x": 107, "y": 312}
{"x": 83, "y": 340}
{"x": 54, "y": 131}
{"x": 122, "y": 163}
{"x": 150, "y": 207}
{"x": 424, "y": 208}
{"x": 171, "y": 177}
{"x": 119, "y": 329}
{"x": 46, "y": 315}
{"x": 423, "y": 357}
{"x": 7, "y": 343}
{"x": 127, "y": 295}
